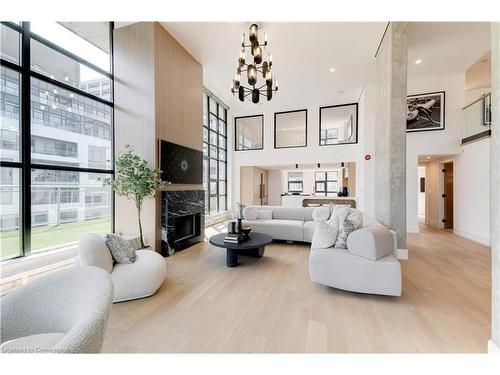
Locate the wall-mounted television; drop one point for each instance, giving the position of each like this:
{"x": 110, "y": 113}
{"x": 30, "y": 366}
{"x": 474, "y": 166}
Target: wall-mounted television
{"x": 179, "y": 164}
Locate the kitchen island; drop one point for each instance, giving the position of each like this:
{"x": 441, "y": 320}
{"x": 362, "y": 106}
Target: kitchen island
{"x": 292, "y": 200}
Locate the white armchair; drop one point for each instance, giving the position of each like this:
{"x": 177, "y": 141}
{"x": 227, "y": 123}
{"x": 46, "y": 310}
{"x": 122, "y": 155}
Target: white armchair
{"x": 64, "y": 312}
{"x": 130, "y": 281}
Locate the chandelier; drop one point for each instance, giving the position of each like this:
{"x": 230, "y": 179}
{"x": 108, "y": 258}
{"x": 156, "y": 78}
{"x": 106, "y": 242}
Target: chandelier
{"x": 256, "y": 66}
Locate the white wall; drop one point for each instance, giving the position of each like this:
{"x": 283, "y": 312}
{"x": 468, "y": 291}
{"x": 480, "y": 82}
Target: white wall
{"x": 311, "y": 154}
{"x": 421, "y": 195}
{"x": 471, "y": 162}
{"x": 365, "y": 169}
{"x": 440, "y": 142}
{"x": 274, "y": 187}
{"x": 471, "y": 192}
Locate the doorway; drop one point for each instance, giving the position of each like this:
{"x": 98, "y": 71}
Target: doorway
{"x": 448, "y": 195}
{"x": 421, "y": 194}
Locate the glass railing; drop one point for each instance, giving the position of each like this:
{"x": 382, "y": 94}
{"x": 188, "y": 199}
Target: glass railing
{"x": 477, "y": 119}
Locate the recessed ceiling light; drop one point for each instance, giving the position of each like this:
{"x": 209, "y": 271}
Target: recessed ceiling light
{"x": 332, "y": 70}
{"x": 418, "y": 61}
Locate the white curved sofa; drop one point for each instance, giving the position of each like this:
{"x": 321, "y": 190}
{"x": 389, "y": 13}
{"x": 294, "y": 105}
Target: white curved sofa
{"x": 64, "y": 312}
{"x": 130, "y": 281}
{"x": 368, "y": 265}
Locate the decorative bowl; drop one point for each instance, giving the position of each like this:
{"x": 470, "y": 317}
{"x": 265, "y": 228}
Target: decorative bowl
{"x": 245, "y": 229}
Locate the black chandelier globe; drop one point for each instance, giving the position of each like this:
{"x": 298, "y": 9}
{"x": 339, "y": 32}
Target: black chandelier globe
{"x": 255, "y": 67}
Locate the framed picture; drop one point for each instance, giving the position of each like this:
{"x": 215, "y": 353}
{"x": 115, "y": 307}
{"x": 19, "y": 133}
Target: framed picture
{"x": 290, "y": 129}
{"x": 425, "y": 112}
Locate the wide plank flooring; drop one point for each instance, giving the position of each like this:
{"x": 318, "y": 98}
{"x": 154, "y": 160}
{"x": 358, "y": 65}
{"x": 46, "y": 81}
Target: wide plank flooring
{"x": 269, "y": 305}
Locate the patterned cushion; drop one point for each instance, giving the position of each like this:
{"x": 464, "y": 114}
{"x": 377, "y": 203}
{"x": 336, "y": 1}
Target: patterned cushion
{"x": 120, "y": 248}
{"x": 135, "y": 242}
{"x": 352, "y": 222}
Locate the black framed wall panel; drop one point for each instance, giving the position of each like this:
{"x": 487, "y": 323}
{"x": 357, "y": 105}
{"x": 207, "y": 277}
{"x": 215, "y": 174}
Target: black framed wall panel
{"x": 341, "y": 119}
{"x": 244, "y": 126}
{"x": 290, "y": 122}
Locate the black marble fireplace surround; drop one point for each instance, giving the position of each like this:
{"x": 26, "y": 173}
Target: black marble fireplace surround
{"x": 182, "y": 219}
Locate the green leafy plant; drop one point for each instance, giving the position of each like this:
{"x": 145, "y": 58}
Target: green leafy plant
{"x": 135, "y": 180}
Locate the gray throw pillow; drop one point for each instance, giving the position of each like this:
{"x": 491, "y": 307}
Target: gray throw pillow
{"x": 325, "y": 234}
{"x": 120, "y": 248}
{"x": 352, "y": 222}
{"x": 135, "y": 242}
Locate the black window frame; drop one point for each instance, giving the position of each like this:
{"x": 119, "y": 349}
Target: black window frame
{"x": 325, "y": 181}
{"x": 25, "y": 165}
{"x": 295, "y": 182}
{"x": 218, "y": 147}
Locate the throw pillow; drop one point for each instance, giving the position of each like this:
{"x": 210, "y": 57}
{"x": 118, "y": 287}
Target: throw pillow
{"x": 325, "y": 234}
{"x": 120, "y": 248}
{"x": 264, "y": 214}
{"x": 352, "y": 222}
{"x": 135, "y": 242}
{"x": 250, "y": 213}
{"x": 321, "y": 214}
{"x": 340, "y": 212}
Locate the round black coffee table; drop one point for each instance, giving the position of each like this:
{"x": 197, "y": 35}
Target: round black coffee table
{"x": 254, "y": 246}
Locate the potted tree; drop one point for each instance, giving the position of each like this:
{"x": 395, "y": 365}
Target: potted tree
{"x": 135, "y": 180}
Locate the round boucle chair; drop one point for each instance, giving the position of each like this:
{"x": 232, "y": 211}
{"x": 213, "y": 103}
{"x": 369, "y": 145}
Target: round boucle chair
{"x": 63, "y": 312}
{"x": 130, "y": 281}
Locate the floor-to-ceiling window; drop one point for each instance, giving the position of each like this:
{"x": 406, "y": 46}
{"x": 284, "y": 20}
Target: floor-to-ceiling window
{"x": 56, "y": 103}
{"x": 214, "y": 154}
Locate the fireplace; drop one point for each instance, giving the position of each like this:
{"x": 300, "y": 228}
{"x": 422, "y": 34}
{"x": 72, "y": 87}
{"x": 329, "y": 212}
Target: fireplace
{"x": 182, "y": 219}
{"x": 186, "y": 227}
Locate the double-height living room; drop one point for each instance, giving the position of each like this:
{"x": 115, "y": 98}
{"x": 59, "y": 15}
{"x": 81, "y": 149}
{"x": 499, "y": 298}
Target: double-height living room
{"x": 250, "y": 187}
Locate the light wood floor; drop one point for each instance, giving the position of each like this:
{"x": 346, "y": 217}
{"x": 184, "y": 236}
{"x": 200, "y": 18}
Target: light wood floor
{"x": 270, "y": 305}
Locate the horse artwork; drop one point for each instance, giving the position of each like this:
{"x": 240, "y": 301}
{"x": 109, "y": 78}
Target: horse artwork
{"x": 425, "y": 112}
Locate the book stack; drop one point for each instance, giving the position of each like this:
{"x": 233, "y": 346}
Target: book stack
{"x": 232, "y": 237}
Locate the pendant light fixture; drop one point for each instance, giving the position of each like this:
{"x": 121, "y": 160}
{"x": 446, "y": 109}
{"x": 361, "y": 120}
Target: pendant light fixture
{"x": 256, "y": 65}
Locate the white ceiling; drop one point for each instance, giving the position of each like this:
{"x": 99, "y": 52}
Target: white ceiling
{"x": 303, "y": 54}
{"x": 445, "y": 47}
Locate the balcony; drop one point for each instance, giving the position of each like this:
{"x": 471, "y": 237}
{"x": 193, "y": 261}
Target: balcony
{"x": 477, "y": 119}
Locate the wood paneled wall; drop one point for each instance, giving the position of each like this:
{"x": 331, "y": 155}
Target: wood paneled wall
{"x": 179, "y": 92}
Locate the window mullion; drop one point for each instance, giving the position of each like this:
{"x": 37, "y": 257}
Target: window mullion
{"x": 26, "y": 139}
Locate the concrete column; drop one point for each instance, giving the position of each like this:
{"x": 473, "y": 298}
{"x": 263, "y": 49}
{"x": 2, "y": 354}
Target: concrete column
{"x": 494, "y": 344}
{"x": 390, "y": 131}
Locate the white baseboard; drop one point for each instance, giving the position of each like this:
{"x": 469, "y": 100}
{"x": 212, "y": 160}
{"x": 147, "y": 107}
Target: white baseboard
{"x": 472, "y": 236}
{"x": 492, "y": 348}
{"x": 402, "y": 254}
{"x": 413, "y": 229}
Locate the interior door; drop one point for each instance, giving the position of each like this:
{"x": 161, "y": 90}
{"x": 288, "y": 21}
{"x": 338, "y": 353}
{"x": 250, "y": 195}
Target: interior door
{"x": 448, "y": 195}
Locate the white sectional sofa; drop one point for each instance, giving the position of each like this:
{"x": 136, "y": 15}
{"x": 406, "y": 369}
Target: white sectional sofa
{"x": 368, "y": 265}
